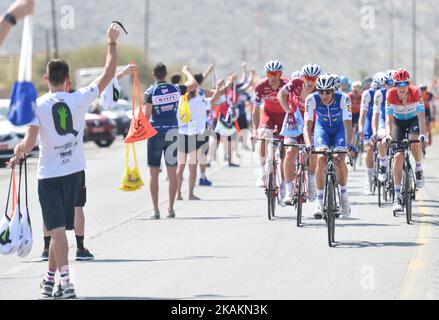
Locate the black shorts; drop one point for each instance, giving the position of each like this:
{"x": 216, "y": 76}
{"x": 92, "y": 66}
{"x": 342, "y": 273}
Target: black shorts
{"x": 401, "y": 127}
{"x": 188, "y": 144}
{"x": 428, "y": 116}
{"x": 82, "y": 192}
{"x": 355, "y": 119}
{"x": 161, "y": 145}
{"x": 58, "y": 198}
{"x": 242, "y": 121}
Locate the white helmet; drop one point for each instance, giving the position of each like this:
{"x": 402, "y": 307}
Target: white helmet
{"x": 274, "y": 66}
{"x": 326, "y": 82}
{"x": 296, "y": 74}
{"x": 357, "y": 84}
{"x": 388, "y": 75}
{"x": 337, "y": 81}
{"x": 379, "y": 78}
{"x": 311, "y": 70}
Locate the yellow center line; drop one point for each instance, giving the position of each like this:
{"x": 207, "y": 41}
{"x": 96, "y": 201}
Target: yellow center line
{"x": 416, "y": 269}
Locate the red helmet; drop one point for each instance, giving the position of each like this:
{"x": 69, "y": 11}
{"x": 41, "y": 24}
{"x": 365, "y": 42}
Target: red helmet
{"x": 401, "y": 75}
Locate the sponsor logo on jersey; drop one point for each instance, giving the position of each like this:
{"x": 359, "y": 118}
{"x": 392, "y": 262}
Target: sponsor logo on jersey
{"x": 167, "y": 98}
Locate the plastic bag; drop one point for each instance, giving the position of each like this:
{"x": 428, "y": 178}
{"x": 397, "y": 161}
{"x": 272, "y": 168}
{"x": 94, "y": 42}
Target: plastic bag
{"x": 10, "y": 231}
{"x": 111, "y": 94}
{"x": 25, "y": 224}
{"x": 24, "y": 94}
{"x": 132, "y": 180}
{"x": 293, "y": 125}
{"x": 140, "y": 128}
{"x": 184, "y": 109}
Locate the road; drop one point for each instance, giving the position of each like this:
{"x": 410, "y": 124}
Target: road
{"x": 225, "y": 248}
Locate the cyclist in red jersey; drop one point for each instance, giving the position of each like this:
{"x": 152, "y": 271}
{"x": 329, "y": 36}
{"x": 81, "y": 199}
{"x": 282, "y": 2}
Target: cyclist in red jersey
{"x": 272, "y": 115}
{"x": 355, "y": 95}
{"x": 292, "y": 97}
{"x": 428, "y": 100}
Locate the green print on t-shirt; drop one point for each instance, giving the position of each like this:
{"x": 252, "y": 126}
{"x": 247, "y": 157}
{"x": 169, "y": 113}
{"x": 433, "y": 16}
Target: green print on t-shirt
{"x": 62, "y": 119}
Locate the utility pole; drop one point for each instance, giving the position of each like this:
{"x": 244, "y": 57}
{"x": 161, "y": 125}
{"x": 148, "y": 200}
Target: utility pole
{"x": 48, "y": 55}
{"x": 414, "y": 40}
{"x": 55, "y": 35}
{"x": 146, "y": 31}
{"x": 392, "y": 35}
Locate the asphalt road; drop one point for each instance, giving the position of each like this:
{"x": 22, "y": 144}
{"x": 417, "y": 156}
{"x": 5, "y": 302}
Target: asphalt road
{"x": 225, "y": 248}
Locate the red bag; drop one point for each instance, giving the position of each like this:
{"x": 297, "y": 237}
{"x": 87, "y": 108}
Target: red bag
{"x": 140, "y": 128}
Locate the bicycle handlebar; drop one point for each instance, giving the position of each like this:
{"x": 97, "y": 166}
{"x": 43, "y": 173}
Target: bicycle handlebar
{"x": 326, "y": 152}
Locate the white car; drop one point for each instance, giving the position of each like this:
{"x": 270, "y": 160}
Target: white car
{"x": 10, "y": 135}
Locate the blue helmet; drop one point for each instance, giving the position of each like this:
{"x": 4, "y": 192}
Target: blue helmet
{"x": 344, "y": 80}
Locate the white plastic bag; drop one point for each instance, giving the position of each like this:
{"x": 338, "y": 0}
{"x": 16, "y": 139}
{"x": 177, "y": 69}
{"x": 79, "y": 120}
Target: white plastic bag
{"x": 25, "y": 223}
{"x": 111, "y": 94}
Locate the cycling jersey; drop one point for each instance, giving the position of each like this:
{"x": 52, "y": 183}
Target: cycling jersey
{"x": 164, "y": 98}
{"x": 294, "y": 89}
{"x": 367, "y": 101}
{"x": 265, "y": 94}
{"x": 379, "y": 107}
{"x": 329, "y": 116}
{"x": 356, "y": 102}
{"x": 413, "y": 106}
{"x": 428, "y": 98}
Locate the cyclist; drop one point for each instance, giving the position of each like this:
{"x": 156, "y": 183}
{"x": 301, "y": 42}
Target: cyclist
{"x": 367, "y": 83}
{"x": 296, "y": 74}
{"x": 355, "y": 96}
{"x": 379, "y": 123}
{"x": 428, "y": 100}
{"x": 365, "y": 128}
{"x": 272, "y": 115}
{"x": 333, "y": 129}
{"x": 345, "y": 84}
{"x": 405, "y": 111}
{"x": 292, "y": 97}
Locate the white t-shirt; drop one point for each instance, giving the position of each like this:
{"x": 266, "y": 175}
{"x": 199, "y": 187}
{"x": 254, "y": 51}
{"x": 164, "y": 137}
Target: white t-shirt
{"x": 199, "y": 107}
{"x": 60, "y": 117}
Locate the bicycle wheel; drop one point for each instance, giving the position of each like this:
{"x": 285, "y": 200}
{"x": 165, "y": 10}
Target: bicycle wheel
{"x": 269, "y": 195}
{"x": 299, "y": 197}
{"x": 331, "y": 208}
{"x": 379, "y": 193}
{"x": 408, "y": 194}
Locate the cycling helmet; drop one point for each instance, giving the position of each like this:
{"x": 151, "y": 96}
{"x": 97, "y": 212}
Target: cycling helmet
{"x": 344, "y": 80}
{"x": 357, "y": 85}
{"x": 401, "y": 75}
{"x": 423, "y": 87}
{"x": 274, "y": 66}
{"x": 379, "y": 79}
{"x": 388, "y": 75}
{"x": 311, "y": 70}
{"x": 296, "y": 74}
{"x": 336, "y": 81}
{"x": 326, "y": 82}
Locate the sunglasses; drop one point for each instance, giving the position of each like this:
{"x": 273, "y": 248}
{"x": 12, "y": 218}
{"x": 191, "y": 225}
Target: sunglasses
{"x": 389, "y": 82}
{"x": 313, "y": 79}
{"x": 327, "y": 92}
{"x": 274, "y": 74}
{"x": 402, "y": 84}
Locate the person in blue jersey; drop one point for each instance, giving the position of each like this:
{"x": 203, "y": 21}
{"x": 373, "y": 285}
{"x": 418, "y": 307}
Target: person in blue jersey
{"x": 333, "y": 129}
{"x": 365, "y": 128}
{"x": 379, "y": 123}
{"x": 161, "y": 107}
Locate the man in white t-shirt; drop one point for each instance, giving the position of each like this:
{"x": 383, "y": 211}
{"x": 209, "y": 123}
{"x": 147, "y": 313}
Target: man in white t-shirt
{"x": 59, "y": 122}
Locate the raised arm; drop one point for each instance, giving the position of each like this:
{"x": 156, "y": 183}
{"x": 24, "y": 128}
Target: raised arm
{"x": 18, "y": 10}
{"x": 191, "y": 84}
{"x": 110, "y": 65}
{"x": 208, "y": 71}
{"x": 128, "y": 70}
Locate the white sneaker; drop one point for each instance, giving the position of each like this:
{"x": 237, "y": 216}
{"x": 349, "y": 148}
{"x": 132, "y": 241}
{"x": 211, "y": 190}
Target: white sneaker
{"x": 288, "y": 200}
{"x": 345, "y": 207}
{"x": 260, "y": 182}
{"x": 318, "y": 212}
{"x": 312, "y": 192}
{"x": 397, "y": 205}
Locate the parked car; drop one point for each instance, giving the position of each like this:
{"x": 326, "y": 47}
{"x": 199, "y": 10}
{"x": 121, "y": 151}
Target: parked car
{"x": 118, "y": 113}
{"x": 10, "y": 135}
{"x": 100, "y": 129}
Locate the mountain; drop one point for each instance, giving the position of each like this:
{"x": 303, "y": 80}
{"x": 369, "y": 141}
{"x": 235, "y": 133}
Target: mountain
{"x": 350, "y": 37}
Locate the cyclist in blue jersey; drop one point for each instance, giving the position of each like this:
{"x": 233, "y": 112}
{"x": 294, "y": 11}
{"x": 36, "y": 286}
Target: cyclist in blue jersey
{"x": 161, "y": 106}
{"x": 379, "y": 123}
{"x": 333, "y": 128}
{"x": 365, "y": 128}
